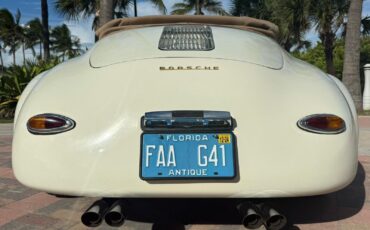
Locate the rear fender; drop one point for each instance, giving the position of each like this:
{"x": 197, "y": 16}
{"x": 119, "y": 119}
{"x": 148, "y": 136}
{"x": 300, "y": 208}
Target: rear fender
{"x": 348, "y": 97}
{"x": 26, "y": 92}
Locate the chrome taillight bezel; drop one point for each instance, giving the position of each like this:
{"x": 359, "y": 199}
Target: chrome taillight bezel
{"x": 302, "y": 124}
{"x": 69, "y": 125}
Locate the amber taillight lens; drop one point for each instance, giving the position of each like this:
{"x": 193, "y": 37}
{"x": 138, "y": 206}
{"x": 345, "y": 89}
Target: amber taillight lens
{"x": 45, "y": 124}
{"x": 323, "y": 124}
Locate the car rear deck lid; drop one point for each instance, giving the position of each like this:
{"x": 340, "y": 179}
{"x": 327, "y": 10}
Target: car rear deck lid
{"x": 230, "y": 44}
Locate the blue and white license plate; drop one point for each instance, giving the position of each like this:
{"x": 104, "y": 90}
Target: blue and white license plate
{"x": 187, "y": 156}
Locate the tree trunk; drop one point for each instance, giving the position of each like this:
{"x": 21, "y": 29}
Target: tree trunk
{"x": 197, "y": 8}
{"x": 287, "y": 46}
{"x": 24, "y": 54}
{"x": 106, "y": 11}
{"x": 40, "y": 49}
{"x": 135, "y": 8}
{"x": 328, "y": 42}
{"x": 1, "y": 61}
{"x": 14, "y": 61}
{"x": 45, "y": 28}
{"x": 351, "y": 70}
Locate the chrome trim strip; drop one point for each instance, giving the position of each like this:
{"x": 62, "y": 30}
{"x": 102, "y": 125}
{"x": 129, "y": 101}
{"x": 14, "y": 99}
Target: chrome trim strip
{"x": 303, "y": 125}
{"x": 187, "y": 120}
{"x": 70, "y": 124}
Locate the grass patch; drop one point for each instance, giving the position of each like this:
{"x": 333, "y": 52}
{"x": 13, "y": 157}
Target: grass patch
{"x": 365, "y": 113}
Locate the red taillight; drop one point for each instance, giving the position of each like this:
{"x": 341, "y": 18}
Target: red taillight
{"x": 49, "y": 124}
{"x": 323, "y": 123}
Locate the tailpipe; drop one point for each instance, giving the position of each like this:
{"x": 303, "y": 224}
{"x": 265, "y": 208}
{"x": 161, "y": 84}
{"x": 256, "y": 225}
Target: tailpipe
{"x": 115, "y": 217}
{"x": 93, "y": 216}
{"x": 273, "y": 219}
{"x": 251, "y": 218}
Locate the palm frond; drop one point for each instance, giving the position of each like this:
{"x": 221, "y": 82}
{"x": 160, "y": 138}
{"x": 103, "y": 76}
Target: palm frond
{"x": 215, "y": 7}
{"x": 187, "y": 6}
{"x": 14, "y": 80}
{"x": 74, "y": 9}
{"x": 365, "y": 23}
{"x": 181, "y": 9}
{"x": 18, "y": 16}
{"x": 159, "y": 4}
{"x": 69, "y": 9}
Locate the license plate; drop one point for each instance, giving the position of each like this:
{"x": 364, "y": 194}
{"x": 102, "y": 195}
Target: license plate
{"x": 187, "y": 156}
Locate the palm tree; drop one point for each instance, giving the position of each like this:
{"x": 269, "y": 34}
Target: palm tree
{"x": 328, "y": 15}
{"x": 11, "y": 32}
{"x": 292, "y": 17}
{"x": 74, "y": 9}
{"x": 23, "y": 44}
{"x": 34, "y": 35}
{"x": 187, "y": 6}
{"x": 63, "y": 43}
{"x": 351, "y": 70}
{"x": 45, "y": 26}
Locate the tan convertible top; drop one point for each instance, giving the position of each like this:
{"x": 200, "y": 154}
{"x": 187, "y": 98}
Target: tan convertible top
{"x": 244, "y": 23}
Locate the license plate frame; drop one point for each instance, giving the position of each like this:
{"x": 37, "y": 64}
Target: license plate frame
{"x": 232, "y": 174}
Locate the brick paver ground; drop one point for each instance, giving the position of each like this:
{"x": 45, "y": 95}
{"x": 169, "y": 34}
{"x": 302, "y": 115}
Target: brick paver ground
{"x": 24, "y": 208}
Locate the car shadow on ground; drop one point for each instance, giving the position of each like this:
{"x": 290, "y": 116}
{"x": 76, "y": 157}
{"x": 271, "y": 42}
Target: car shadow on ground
{"x": 176, "y": 213}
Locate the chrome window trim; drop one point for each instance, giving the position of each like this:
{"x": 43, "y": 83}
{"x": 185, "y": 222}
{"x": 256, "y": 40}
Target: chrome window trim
{"x": 303, "y": 125}
{"x": 70, "y": 124}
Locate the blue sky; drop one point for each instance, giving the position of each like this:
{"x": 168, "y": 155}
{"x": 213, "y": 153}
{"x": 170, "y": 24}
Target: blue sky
{"x": 31, "y": 9}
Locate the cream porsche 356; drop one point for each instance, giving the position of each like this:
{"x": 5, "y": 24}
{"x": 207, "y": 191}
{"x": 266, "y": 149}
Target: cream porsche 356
{"x": 163, "y": 106}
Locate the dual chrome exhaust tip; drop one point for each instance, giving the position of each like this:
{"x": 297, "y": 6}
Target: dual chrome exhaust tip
{"x": 251, "y": 218}
{"x": 111, "y": 212}
{"x": 256, "y": 215}
{"x": 115, "y": 217}
{"x": 253, "y": 215}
